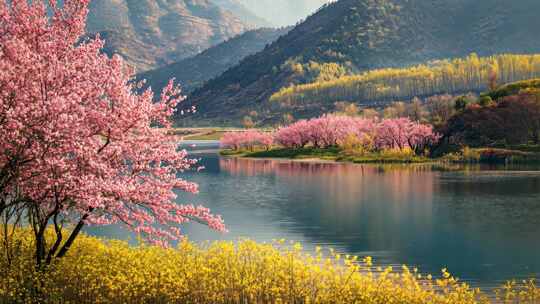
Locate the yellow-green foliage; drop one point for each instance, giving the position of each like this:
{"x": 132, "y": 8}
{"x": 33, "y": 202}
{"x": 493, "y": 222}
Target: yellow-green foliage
{"x": 352, "y": 145}
{"x": 458, "y": 75}
{"x": 470, "y": 155}
{"x": 112, "y": 272}
{"x": 398, "y": 153}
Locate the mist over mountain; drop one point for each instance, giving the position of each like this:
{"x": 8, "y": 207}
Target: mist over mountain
{"x": 243, "y": 13}
{"x": 350, "y": 36}
{"x": 192, "y": 72}
{"x": 283, "y": 12}
{"x": 153, "y": 33}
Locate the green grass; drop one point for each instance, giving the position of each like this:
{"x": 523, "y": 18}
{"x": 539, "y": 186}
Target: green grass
{"x": 237, "y": 153}
{"x": 386, "y": 159}
{"x": 333, "y": 154}
{"x": 476, "y": 155}
{"x": 517, "y": 155}
{"x": 514, "y": 88}
{"x": 524, "y": 148}
{"x": 304, "y": 153}
{"x": 213, "y": 135}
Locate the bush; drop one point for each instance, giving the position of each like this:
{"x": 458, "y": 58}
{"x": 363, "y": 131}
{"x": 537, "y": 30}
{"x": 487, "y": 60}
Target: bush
{"x": 514, "y": 88}
{"x": 405, "y": 153}
{"x": 98, "y": 271}
{"x": 470, "y": 155}
{"x": 485, "y": 101}
{"x": 352, "y": 145}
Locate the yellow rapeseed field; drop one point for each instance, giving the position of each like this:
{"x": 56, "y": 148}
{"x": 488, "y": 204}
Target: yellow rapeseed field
{"x": 98, "y": 271}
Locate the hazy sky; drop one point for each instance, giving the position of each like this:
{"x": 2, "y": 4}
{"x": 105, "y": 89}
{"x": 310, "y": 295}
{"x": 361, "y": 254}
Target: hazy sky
{"x": 283, "y": 12}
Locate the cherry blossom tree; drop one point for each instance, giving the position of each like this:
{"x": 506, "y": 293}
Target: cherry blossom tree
{"x": 265, "y": 139}
{"x": 296, "y": 135}
{"x": 232, "y": 140}
{"x": 331, "y": 130}
{"x": 392, "y": 133}
{"x": 249, "y": 139}
{"x": 77, "y": 144}
{"x": 401, "y": 133}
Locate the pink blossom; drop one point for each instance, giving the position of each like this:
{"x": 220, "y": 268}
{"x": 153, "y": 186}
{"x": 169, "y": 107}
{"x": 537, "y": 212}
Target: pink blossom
{"x": 331, "y": 130}
{"x": 77, "y": 142}
{"x": 248, "y": 139}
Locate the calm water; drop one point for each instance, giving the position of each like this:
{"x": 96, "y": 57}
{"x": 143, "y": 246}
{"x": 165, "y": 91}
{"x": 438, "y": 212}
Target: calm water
{"x": 483, "y": 224}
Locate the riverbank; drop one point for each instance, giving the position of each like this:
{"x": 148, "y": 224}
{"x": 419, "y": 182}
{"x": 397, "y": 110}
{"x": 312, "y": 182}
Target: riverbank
{"x": 466, "y": 156}
{"x": 330, "y": 154}
{"x": 225, "y": 272}
{"x": 212, "y": 133}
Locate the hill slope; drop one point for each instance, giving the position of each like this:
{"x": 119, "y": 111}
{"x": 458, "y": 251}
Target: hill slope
{"x": 192, "y": 72}
{"x": 379, "y": 86}
{"x": 283, "y": 12}
{"x": 351, "y": 36}
{"x": 152, "y": 33}
{"x": 243, "y": 13}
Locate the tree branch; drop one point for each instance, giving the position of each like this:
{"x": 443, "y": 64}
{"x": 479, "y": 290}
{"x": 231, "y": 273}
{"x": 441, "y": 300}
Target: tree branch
{"x": 73, "y": 235}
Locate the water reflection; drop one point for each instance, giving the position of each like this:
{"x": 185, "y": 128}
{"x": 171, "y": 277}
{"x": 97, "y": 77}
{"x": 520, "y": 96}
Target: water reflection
{"x": 480, "y": 222}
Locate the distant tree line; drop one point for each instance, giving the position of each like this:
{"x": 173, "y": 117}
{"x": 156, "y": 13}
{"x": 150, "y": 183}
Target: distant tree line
{"x": 472, "y": 73}
{"x": 507, "y": 116}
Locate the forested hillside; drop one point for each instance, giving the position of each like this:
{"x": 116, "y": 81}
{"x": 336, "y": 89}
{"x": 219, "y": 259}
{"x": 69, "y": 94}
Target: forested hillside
{"x": 470, "y": 74}
{"x": 150, "y": 33}
{"x": 351, "y": 36}
{"x": 192, "y": 72}
{"x": 282, "y": 12}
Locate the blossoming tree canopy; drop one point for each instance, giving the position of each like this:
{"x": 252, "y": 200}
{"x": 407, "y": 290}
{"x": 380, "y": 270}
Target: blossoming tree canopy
{"x": 247, "y": 139}
{"x": 331, "y": 130}
{"x": 77, "y": 143}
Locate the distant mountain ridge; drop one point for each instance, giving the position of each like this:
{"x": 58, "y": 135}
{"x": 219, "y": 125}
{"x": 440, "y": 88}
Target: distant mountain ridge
{"x": 191, "y": 73}
{"x": 283, "y": 12}
{"x": 243, "y": 13}
{"x": 350, "y": 36}
{"x": 152, "y": 33}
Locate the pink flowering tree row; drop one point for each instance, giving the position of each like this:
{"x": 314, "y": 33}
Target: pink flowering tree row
{"x": 78, "y": 146}
{"x": 330, "y": 131}
{"x": 249, "y": 139}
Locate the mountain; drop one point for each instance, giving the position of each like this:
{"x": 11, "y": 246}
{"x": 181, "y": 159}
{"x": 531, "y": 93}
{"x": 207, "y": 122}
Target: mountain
{"x": 192, "y": 72}
{"x": 351, "y": 36}
{"x": 152, "y": 33}
{"x": 283, "y": 12}
{"x": 245, "y": 14}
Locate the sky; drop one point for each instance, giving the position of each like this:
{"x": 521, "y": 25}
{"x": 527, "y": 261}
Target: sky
{"x": 283, "y": 12}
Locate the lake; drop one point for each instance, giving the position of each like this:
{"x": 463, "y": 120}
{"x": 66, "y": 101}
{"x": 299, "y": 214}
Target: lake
{"x": 482, "y": 223}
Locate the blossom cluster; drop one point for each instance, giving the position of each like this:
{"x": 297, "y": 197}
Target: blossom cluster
{"x": 248, "y": 139}
{"x": 332, "y": 130}
{"x": 78, "y": 143}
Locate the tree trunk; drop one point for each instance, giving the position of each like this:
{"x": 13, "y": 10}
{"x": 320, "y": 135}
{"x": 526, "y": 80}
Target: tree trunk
{"x": 72, "y": 237}
{"x": 40, "y": 247}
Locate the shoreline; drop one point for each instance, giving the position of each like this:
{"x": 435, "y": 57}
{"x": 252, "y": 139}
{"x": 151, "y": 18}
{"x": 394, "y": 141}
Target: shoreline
{"x": 336, "y": 158}
{"x": 329, "y": 160}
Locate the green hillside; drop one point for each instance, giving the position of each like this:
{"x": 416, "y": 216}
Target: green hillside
{"x": 470, "y": 74}
{"x": 192, "y": 72}
{"x": 515, "y": 88}
{"x": 351, "y": 36}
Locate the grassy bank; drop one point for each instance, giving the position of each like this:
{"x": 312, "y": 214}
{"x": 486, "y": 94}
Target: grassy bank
{"x": 517, "y": 155}
{"x": 200, "y": 133}
{"x": 511, "y": 155}
{"x": 210, "y": 135}
{"x": 332, "y": 154}
{"x": 112, "y": 272}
